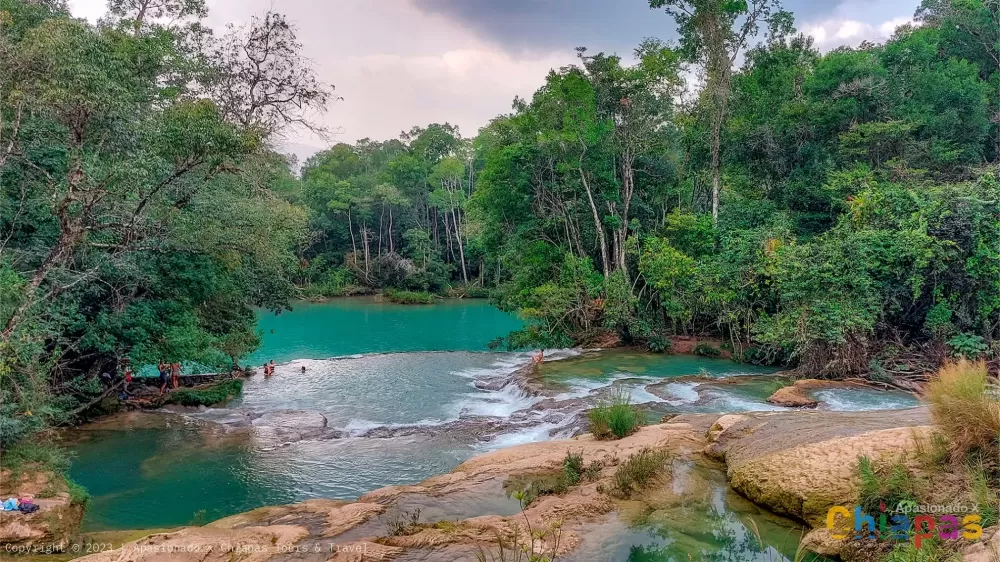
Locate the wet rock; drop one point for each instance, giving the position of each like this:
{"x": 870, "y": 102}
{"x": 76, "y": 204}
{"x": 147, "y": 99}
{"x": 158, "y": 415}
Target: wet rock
{"x": 468, "y": 429}
{"x": 717, "y": 429}
{"x": 794, "y": 396}
{"x": 289, "y": 426}
{"x": 493, "y": 385}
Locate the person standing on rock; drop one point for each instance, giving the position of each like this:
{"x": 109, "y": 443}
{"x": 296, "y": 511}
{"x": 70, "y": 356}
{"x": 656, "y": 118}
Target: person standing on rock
{"x": 163, "y": 376}
{"x": 175, "y": 374}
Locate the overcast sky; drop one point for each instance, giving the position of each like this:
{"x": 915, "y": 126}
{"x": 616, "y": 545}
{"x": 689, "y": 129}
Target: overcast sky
{"x": 399, "y": 63}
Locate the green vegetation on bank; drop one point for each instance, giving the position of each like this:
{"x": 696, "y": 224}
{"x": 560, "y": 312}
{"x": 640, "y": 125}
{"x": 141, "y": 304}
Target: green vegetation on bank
{"x": 408, "y": 297}
{"x": 41, "y": 459}
{"x": 206, "y": 395}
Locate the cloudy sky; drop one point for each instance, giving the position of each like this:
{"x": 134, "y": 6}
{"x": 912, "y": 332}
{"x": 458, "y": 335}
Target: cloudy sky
{"x": 399, "y": 63}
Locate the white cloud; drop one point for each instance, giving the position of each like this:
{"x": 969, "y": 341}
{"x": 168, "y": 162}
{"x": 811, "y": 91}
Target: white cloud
{"x": 833, "y": 33}
{"x": 88, "y": 9}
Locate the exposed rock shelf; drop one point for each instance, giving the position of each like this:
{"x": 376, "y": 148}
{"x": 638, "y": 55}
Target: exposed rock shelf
{"x": 797, "y": 464}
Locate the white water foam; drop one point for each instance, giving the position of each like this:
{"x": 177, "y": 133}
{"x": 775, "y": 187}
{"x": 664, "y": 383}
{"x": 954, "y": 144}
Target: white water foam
{"x": 725, "y": 402}
{"x": 501, "y": 403}
{"x": 846, "y": 400}
{"x": 683, "y": 393}
{"x": 533, "y": 434}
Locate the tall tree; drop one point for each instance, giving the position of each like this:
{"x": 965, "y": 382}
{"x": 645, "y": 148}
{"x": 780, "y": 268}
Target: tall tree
{"x": 714, "y": 33}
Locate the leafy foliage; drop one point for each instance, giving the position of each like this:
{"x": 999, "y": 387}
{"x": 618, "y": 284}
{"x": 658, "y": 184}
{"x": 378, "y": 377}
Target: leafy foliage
{"x": 139, "y": 208}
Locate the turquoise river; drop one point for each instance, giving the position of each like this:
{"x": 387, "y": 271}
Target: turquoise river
{"x": 389, "y": 396}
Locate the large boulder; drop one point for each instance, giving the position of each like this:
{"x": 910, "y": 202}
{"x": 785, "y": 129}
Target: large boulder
{"x": 799, "y": 464}
{"x": 799, "y": 394}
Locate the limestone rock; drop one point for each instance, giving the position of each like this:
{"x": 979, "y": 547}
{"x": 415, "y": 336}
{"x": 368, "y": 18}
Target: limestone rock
{"x": 820, "y": 541}
{"x": 986, "y": 551}
{"x": 52, "y": 526}
{"x": 799, "y": 464}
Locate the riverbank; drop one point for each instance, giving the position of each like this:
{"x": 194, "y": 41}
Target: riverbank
{"x": 300, "y": 436}
{"x": 460, "y": 514}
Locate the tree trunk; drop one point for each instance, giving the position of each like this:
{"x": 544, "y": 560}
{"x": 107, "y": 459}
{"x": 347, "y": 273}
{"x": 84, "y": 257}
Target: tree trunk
{"x": 447, "y": 237}
{"x": 365, "y": 241}
{"x": 628, "y": 190}
{"x": 716, "y": 133}
{"x": 597, "y": 223}
{"x": 350, "y": 227}
{"x": 392, "y": 248}
{"x": 437, "y": 242}
{"x": 461, "y": 247}
{"x": 381, "y": 217}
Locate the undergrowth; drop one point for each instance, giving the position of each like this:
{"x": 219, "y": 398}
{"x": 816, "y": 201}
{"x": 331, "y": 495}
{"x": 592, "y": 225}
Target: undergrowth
{"x": 408, "y": 297}
{"x": 32, "y": 457}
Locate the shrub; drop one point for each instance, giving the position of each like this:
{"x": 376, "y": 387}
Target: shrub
{"x": 888, "y": 483}
{"x": 638, "y": 471}
{"x": 614, "y": 417}
{"x": 78, "y": 495}
{"x": 593, "y": 471}
{"x": 968, "y": 345}
{"x": 573, "y": 468}
{"x": 408, "y": 297}
{"x": 208, "y": 395}
{"x": 964, "y": 407}
{"x": 706, "y": 350}
{"x": 659, "y": 344}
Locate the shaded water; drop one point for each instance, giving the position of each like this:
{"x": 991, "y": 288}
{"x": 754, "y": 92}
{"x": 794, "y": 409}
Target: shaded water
{"x": 392, "y": 418}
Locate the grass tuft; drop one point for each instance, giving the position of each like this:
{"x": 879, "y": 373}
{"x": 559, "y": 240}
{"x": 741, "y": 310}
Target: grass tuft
{"x": 573, "y": 468}
{"x": 883, "y": 482}
{"x": 966, "y": 408}
{"x": 614, "y": 417}
{"x": 638, "y": 471}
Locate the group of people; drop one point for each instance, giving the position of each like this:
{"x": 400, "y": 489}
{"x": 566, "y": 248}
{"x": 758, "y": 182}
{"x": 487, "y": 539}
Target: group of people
{"x": 174, "y": 370}
{"x": 269, "y": 369}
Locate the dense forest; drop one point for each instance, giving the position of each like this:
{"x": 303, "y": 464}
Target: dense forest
{"x": 834, "y": 211}
{"x": 838, "y": 212}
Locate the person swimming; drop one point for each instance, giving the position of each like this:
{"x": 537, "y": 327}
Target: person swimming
{"x": 539, "y": 357}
